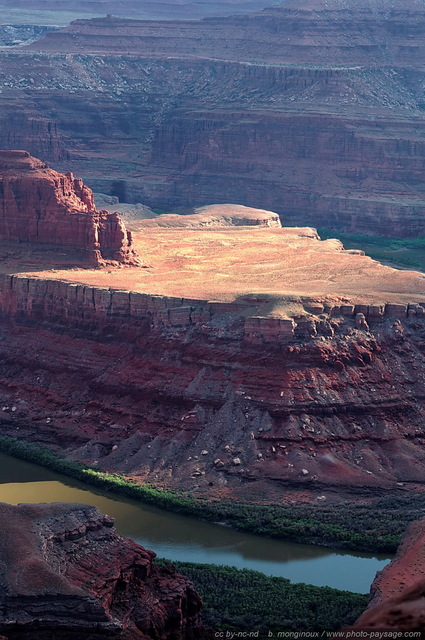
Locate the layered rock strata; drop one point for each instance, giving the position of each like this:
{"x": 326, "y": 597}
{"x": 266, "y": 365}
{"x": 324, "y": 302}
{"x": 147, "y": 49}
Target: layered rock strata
{"x": 315, "y": 112}
{"x": 59, "y": 11}
{"x": 189, "y": 393}
{"x": 40, "y": 206}
{"x": 362, "y": 34}
{"x": 64, "y": 571}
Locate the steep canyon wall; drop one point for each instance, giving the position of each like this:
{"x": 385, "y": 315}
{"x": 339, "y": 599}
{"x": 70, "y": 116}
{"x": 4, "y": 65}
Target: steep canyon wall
{"x": 39, "y": 206}
{"x": 139, "y": 142}
{"x": 189, "y": 393}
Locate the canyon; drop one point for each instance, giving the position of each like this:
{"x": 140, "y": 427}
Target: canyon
{"x": 216, "y": 353}
{"x": 49, "y": 586}
{"x": 319, "y": 117}
{"x": 254, "y": 361}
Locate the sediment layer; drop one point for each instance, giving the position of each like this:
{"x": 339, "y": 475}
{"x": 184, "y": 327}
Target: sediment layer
{"x": 187, "y": 393}
{"x": 396, "y": 600}
{"x": 40, "y": 206}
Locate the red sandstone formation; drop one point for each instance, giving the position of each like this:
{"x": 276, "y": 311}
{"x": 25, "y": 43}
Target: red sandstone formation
{"x": 319, "y": 32}
{"x": 329, "y": 399}
{"x": 397, "y": 593}
{"x": 64, "y": 571}
{"x": 301, "y": 361}
{"x": 39, "y": 205}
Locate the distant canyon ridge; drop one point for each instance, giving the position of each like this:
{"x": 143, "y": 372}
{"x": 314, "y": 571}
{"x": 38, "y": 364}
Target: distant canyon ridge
{"x": 59, "y": 11}
{"x": 314, "y": 110}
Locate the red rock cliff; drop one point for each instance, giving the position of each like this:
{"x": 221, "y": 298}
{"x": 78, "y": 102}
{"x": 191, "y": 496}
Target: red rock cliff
{"x": 39, "y": 205}
{"x": 65, "y": 571}
{"x": 397, "y": 593}
{"x": 304, "y": 403}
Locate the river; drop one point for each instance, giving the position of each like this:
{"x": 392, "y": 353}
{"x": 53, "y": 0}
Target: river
{"x": 182, "y": 538}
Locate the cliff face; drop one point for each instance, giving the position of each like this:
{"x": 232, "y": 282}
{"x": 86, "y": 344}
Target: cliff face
{"x": 187, "y": 393}
{"x": 65, "y": 571}
{"x": 362, "y": 34}
{"x": 397, "y": 592}
{"x": 313, "y": 112}
{"x": 39, "y": 205}
{"x": 331, "y": 171}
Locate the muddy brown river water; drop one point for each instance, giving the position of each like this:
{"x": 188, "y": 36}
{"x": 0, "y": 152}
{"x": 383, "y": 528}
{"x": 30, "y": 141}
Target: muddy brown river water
{"x": 182, "y": 538}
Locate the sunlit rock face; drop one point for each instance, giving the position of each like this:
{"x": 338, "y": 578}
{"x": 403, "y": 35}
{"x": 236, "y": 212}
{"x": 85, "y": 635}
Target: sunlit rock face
{"x": 39, "y": 205}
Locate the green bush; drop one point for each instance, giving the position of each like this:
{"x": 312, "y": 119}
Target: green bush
{"x": 373, "y": 528}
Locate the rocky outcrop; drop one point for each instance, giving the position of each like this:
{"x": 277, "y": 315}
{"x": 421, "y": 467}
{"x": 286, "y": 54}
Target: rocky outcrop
{"x": 299, "y": 359}
{"x": 288, "y": 34}
{"x": 397, "y": 593}
{"x": 216, "y": 215}
{"x": 65, "y": 571}
{"x": 39, "y": 205}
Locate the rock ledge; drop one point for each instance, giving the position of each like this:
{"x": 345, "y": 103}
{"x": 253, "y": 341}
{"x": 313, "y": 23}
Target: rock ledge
{"x": 64, "y": 569}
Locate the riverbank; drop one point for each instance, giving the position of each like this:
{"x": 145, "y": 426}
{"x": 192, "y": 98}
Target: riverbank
{"x": 310, "y": 587}
{"x": 352, "y": 527}
{"x": 239, "y": 600}
{"x": 182, "y": 538}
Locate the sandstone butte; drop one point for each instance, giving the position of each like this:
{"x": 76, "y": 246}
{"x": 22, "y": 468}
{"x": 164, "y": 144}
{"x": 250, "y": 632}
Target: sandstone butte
{"x": 314, "y": 110}
{"x": 41, "y": 206}
{"x": 49, "y": 588}
{"x": 256, "y": 362}
{"x": 397, "y": 593}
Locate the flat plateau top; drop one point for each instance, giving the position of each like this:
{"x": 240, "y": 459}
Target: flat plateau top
{"x": 227, "y": 263}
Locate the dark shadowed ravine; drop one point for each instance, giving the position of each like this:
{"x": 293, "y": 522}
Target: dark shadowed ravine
{"x": 182, "y": 538}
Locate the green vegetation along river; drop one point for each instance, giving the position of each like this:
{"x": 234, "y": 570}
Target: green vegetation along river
{"x": 405, "y": 253}
{"x": 181, "y": 538}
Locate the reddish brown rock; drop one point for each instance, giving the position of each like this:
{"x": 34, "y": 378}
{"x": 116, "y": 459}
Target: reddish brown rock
{"x": 397, "y": 593}
{"x": 165, "y": 377}
{"x": 64, "y": 570}
{"x": 242, "y": 330}
{"x": 314, "y": 33}
{"x": 40, "y": 206}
